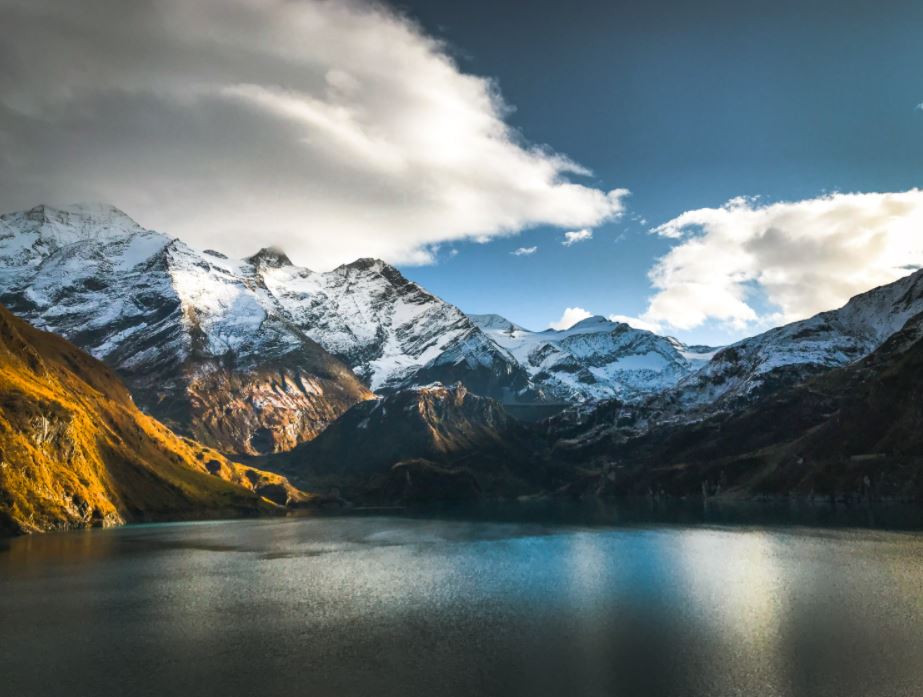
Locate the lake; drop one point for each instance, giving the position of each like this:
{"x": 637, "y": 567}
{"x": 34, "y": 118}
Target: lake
{"x": 500, "y": 604}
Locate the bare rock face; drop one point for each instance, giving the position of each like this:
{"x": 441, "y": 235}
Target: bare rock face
{"x": 265, "y": 410}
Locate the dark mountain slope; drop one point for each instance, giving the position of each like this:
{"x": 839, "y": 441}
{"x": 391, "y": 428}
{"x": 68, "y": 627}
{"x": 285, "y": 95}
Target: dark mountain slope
{"x": 448, "y": 426}
{"x": 855, "y": 431}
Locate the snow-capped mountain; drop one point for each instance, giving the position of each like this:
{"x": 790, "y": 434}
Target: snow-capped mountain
{"x": 191, "y": 331}
{"x": 392, "y": 332}
{"x": 790, "y": 353}
{"x": 202, "y": 344}
{"x": 596, "y": 358}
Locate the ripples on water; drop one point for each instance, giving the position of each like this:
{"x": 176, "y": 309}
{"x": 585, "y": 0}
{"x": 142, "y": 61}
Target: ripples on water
{"x": 421, "y": 606}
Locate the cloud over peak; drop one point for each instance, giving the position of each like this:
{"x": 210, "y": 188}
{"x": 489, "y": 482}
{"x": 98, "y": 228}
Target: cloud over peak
{"x": 331, "y": 129}
{"x": 569, "y": 318}
{"x": 747, "y": 264}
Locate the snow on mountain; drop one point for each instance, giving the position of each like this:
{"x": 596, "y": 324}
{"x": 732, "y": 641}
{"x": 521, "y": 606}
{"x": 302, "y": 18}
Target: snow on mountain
{"x": 596, "y": 358}
{"x": 200, "y": 342}
{"x": 391, "y": 331}
{"x": 174, "y": 321}
{"x": 792, "y": 352}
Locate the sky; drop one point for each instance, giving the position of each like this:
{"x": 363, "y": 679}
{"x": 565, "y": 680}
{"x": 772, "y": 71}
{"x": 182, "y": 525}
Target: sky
{"x": 704, "y": 169}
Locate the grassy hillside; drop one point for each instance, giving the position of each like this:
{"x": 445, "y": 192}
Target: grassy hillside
{"x": 76, "y": 451}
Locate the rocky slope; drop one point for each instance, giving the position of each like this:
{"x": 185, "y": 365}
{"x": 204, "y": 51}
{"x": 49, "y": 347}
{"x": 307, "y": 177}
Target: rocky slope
{"x": 199, "y": 339}
{"x": 448, "y": 426}
{"x": 596, "y": 358}
{"x": 76, "y": 451}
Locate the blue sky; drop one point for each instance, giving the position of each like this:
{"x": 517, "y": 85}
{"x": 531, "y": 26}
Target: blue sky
{"x": 687, "y": 105}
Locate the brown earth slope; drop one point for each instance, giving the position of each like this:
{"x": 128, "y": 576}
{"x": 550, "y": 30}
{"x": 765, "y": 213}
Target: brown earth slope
{"x": 75, "y": 450}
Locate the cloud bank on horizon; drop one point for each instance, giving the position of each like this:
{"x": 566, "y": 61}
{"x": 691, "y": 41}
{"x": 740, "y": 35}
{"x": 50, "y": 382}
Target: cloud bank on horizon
{"x": 751, "y": 266}
{"x": 324, "y": 128}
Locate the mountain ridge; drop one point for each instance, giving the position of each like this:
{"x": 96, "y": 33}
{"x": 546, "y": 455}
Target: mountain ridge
{"x": 595, "y": 358}
{"x": 177, "y": 324}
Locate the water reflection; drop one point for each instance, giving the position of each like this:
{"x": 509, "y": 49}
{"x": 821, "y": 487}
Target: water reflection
{"x": 419, "y": 605}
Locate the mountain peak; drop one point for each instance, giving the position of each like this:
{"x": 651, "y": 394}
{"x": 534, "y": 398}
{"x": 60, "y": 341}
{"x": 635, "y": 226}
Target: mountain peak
{"x": 74, "y": 222}
{"x": 367, "y": 264}
{"x": 96, "y": 213}
{"x": 594, "y": 322}
{"x": 495, "y": 322}
{"x": 370, "y": 265}
{"x": 273, "y": 257}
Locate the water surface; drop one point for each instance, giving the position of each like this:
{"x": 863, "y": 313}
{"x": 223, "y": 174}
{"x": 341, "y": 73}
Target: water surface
{"x": 380, "y": 605}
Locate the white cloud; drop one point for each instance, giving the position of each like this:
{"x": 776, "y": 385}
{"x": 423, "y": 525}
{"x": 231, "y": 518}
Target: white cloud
{"x": 919, "y": 107}
{"x": 747, "y": 264}
{"x": 524, "y": 251}
{"x": 575, "y": 236}
{"x": 331, "y": 129}
{"x": 570, "y": 317}
{"x": 636, "y": 322}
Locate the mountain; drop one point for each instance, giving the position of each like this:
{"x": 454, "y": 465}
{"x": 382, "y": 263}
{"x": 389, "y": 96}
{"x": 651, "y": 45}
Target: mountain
{"x": 201, "y": 342}
{"x": 392, "y": 333}
{"x": 76, "y": 451}
{"x": 595, "y": 358}
{"x": 854, "y": 431}
{"x": 738, "y": 375}
{"x": 813, "y": 406}
{"x": 251, "y": 356}
{"x": 790, "y": 354}
{"x": 448, "y": 427}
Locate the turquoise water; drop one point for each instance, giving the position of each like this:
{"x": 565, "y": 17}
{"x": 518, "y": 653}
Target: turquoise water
{"x": 379, "y": 605}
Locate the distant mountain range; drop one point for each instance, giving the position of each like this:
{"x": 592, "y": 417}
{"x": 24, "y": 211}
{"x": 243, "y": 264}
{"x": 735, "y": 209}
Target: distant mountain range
{"x": 359, "y": 379}
{"x": 257, "y": 355}
{"x": 596, "y": 358}
{"x": 791, "y": 353}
